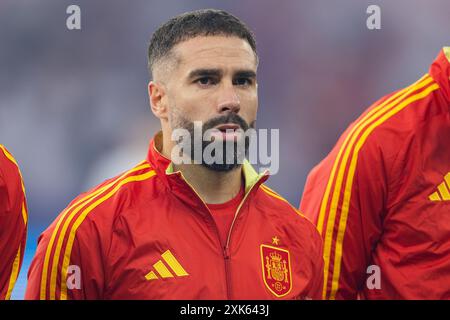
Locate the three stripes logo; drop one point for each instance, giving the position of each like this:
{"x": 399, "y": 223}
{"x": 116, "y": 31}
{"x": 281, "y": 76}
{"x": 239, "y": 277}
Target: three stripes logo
{"x": 162, "y": 271}
{"x": 443, "y": 190}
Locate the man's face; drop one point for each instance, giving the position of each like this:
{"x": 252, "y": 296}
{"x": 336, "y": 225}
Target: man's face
{"x": 214, "y": 82}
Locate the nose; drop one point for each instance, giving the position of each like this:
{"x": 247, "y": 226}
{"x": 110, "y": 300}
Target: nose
{"x": 228, "y": 100}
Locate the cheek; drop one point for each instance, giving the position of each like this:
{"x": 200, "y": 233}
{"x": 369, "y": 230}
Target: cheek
{"x": 194, "y": 106}
{"x": 249, "y": 106}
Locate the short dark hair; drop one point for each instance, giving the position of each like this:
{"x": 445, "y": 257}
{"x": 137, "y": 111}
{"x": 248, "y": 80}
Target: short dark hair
{"x": 206, "y": 22}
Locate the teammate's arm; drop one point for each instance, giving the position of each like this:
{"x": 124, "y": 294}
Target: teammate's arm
{"x": 13, "y": 223}
{"x": 67, "y": 264}
{"x": 348, "y": 217}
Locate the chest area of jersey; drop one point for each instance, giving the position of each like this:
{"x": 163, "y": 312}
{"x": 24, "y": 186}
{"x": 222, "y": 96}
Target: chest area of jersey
{"x": 186, "y": 260}
{"x": 422, "y": 201}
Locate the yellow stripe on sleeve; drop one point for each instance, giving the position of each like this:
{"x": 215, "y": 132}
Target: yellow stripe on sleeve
{"x": 79, "y": 220}
{"x": 343, "y": 154}
{"x": 77, "y": 206}
{"x": 14, "y": 274}
{"x": 351, "y": 172}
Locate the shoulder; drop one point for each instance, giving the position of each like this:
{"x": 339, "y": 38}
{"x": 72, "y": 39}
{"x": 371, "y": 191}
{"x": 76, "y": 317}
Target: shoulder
{"x": 301, "y": 232}
{"x": 5, "y": 155}
{"x": 12, "y": 191}
{"x": 8, "y": 165}
{"x": 286, "y": 214}
{"x": 389, "y": 123}
{"x": 392, "y": 118}
{"x": 96, "y": 209}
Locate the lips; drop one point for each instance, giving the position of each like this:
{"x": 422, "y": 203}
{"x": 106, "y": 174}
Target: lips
{"x": 227, "y": 126}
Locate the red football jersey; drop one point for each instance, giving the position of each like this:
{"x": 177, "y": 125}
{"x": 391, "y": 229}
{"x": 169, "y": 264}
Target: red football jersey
{"x": 13, "y": 222}
{"x": 381, "y": 198}
{"x": 148, "y": 235}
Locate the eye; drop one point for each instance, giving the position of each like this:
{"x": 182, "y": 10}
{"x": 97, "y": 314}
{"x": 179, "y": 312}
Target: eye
{"x": 206, "y": 81}
{"x": 243, "y": 81}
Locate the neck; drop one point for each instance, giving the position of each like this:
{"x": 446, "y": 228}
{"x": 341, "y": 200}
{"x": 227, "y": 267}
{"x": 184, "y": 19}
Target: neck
{"x": 212, "y": 186}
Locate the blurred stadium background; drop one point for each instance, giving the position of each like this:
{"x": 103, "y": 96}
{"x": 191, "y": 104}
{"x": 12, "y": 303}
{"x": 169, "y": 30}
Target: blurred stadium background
{"x": 74, "y": 107}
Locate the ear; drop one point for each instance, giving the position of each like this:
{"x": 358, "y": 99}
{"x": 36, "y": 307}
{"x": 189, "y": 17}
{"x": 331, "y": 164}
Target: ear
{"x": 157, "y": 95}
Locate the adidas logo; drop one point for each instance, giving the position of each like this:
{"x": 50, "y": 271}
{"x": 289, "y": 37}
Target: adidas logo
{"x": 161, "y": 270}
{"x": 443, "y": 192}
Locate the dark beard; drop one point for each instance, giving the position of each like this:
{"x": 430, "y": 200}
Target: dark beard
{"x": 231, "y": 150}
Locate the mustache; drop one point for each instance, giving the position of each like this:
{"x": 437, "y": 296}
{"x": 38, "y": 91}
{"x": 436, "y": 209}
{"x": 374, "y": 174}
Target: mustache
{"x": 228, "y": 118}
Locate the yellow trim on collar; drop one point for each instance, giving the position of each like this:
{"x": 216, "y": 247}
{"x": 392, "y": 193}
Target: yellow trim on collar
{"x": 170, "y": 169}
{"x": 447, "y": 53}
{"x": 251, "y": 177}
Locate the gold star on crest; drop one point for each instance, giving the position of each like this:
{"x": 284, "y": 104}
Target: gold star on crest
{"x": 275, "y": 240}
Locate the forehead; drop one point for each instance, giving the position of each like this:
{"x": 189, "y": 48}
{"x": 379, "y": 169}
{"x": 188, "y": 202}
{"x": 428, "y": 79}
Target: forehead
{"x": 215, "y": 52}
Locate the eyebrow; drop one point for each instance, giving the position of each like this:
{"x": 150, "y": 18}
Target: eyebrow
{"x": 205, "y": 73}
{"x": 245, "y": 74}
{"x": 218, "y": 73}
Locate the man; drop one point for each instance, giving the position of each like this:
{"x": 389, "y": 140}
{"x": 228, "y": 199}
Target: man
{"x": 13, "y": 222}
{"x": 175, "y": 230}
{"x": 381, "y": 198}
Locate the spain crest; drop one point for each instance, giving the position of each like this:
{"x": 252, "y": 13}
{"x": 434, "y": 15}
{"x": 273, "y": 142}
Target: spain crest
{"x": 276, "y": 267}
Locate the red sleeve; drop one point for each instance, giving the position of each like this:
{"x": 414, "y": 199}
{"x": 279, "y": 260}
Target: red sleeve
{"x": 70, "y": 259}
{"x": 81, "y": 277}
{"x": 440, "y": 71}
{"x": 13, "y": 223}
{"x": 346, "y": 194}
{"x": 348, "y": 217}
{"x": 315, "y": 292}
{"x": 313, "y": 246}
